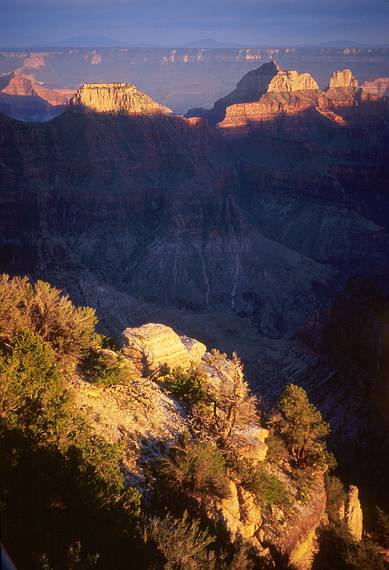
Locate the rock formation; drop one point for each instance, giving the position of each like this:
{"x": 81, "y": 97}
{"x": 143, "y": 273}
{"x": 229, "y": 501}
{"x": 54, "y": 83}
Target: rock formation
{"x": 251, "y": 443}
{"x": 289, "y": 81}
{"x": 376, "y": 89}
{"x": 168, "y": 213}
{"x": 185, "y": 78}
{"x": 23, "y": 97}
{"x": 154, "y": 345}
{"x": 353, "y": 515}
{"x": 238, "y": 514}
{"x": 270, "y": 98}
{"x": 115, "y": 98}
{"x": 343, "y": 79}
{"x": 268, "y": 78}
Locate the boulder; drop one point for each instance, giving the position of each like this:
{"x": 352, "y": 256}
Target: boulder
{"x": 154, "y": 345}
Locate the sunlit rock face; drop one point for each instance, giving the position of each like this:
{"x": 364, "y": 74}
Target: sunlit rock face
{"x": 269, "y": 95}
{"x": 288, "y": 81}
{"x": 343, "y": 79}
{"x": 115, "y": 97}
{"x": 354, "y": 515}
{"x": 268, "y": 78}
{"x": 375, "y": 89}
{"x": 27, "y": 86}
{"x": 153, "y": 345}
{"x": 25, "y": 98}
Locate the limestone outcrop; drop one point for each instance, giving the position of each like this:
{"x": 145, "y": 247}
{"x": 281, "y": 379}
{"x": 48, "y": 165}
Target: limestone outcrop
{"x": 115, "y": 98}
{"x": 270, "y": 97}
{"x": 375, "y": 89}
{"x": 238, "y": 514}
{"x": 154, "y": 345}
{"x": 269, "y": 78}
{"x": 289, "y": 81}
{"x": 25, "y": 98}
{"x": 343, "y": 79}
{"x": 251, "y": 443}
{"x": 353, "y": 514}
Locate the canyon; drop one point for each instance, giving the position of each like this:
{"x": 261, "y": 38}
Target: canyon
{"x": 184, "y": 78}
{"x": 238, "y": 225}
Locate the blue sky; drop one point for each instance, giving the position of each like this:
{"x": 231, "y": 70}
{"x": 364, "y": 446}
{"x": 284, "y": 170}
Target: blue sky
{"x": 169, "y": 22}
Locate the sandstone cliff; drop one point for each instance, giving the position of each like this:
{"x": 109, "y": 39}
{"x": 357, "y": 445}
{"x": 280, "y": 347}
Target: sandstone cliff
{"x": 272, "y": 98}
{"x": 254, "y": 85}
{"x": 343, "y": 79}
{"x": 155, "y": 345}
{"x": 287, "y": 81}
{"x": 115, "y": 98}
{"x": 23, "y": 97}
{"x": 376, "y": 89}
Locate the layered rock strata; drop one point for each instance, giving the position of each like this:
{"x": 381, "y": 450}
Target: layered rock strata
{"x": 268, "y": 95}
{"x": 115, "y": 98}
{"x": 154, "y": 345}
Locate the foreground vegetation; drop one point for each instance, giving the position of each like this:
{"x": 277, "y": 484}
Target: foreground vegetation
{"x": 63, "y": 494}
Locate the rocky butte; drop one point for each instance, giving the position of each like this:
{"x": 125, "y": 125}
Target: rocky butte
{"x": 115, "y": 97}
{"x": 269, "y": 93}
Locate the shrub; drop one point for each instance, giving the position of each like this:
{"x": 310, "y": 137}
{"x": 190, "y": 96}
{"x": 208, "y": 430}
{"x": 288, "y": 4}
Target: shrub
{"x": 96, "y": 462}
{"x": 338, "y": 551}
{"x": 234, "y": 404}
{"x": 267, "y": 488}
{"x": 106, "y": 367}
{"x": 44, "y": 310}
{"x": 181, "y": 542}
{"x": 189, "y": 386}
{"x": 199, "y": 467}
{"x": 303, "y": 428}
{"x": 277, "y": 451}
{"x": 32, "y": 394}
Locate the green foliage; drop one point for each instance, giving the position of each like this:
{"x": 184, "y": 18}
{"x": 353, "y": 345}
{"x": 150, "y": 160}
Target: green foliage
{"x": 303, "y": 428}
{"x": 199, "y": 468}
{"x": 44, "y": 310}
{"x": 32, "y": 394}
{"x": 64, "y": 504}
{"x": 267, "y": 488}
{"x": 234, "y": 406}
{"x": 189, "y": 386}
{"x": 106, "y": 367}
{"x": 277, "y": 451}
{"x": 181, "y": 542}
{"x": 338, "y": 551}
{"x": 96, "y": 461}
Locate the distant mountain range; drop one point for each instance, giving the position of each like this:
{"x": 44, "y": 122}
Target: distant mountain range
{"x": 208, "y": 43}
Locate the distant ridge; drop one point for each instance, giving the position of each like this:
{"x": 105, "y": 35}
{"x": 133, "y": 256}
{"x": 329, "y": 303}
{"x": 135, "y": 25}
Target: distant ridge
{"x": 211, "y": 43}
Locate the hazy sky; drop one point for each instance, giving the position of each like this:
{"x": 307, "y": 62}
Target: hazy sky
{"x": 168, "y": 22}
